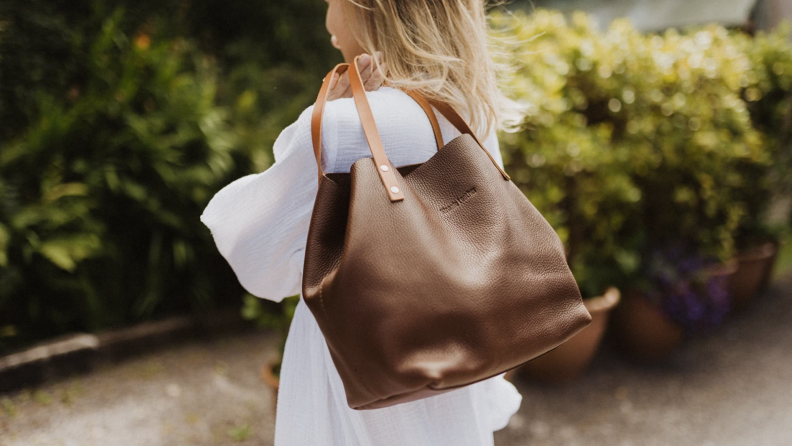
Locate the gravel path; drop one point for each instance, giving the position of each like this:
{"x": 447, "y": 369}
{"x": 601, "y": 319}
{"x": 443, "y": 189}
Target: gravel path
{"x": 733, "y": 388}
{"x": 200, "y": 394}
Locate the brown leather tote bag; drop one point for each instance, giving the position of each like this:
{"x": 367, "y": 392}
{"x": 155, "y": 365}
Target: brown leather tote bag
{"x": 429, "y": 277}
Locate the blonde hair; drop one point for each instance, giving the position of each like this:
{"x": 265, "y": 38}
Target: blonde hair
{"x": 439, "y": 48}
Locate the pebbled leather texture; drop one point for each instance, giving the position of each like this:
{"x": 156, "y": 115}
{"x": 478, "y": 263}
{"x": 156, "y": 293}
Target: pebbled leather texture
{"x": 459, "y": 281}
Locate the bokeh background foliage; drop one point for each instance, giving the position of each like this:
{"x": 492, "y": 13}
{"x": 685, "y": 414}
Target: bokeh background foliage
{"x": 120, "y": 120}
{"x": 635, "y": 144}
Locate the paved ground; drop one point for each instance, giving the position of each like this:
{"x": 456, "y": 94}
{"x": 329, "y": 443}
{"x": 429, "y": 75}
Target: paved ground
{"x": 734, "y": 388}
{"x": 202, "y": 394}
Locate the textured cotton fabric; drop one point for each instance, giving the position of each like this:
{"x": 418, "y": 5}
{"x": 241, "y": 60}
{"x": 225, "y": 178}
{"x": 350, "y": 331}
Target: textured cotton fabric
{"x": 260, "y": 225}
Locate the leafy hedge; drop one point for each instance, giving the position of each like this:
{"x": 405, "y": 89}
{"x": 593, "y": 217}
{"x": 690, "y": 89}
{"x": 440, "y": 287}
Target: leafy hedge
{"x": 769, "y": 100}
{"x": 121, "y": 120}
{"x": 637, "y": 143}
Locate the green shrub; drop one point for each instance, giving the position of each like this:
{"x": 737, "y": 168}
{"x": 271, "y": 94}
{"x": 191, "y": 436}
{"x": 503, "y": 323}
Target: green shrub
{"x": 101, "y": 194}
{"x": 120, "y": 121}
{"x": 273, "y": 56}
{"x": 769, "y": 99}
{"x": 633, "y": 142}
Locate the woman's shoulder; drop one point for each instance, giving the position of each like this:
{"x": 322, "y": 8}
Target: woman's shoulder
{"x": 401, "y": 123}
{"x": 345, "y": 107}
{"x": 342, "y": 113}
{"x": 399, "y": 119}
{"x": 385, "y": 101}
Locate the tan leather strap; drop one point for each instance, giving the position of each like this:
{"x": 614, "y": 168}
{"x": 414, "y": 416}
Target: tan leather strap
{"x": 318, "y": 112}
{"x": 431, "y": 115}
{"x": 457, "y": 121}
{"x": 384, "y": 168}
{"x": 454, "y": 118}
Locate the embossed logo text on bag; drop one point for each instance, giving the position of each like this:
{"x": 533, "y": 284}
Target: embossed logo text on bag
{"x": 459, "y": 201}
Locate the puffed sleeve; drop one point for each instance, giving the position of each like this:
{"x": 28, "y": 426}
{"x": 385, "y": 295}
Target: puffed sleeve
{"x": 260, "y": 222}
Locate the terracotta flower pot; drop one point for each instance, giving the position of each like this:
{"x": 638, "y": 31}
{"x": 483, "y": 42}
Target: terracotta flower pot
{"x": 272, "y": 381}
{"x": 644, "y": 332}
{"x": 641, "y": 330}
{"x": 569, "y": 360}
{"x": 753, "y": 273}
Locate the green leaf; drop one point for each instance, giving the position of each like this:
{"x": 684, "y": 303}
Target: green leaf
{"x": 67, "y": 252}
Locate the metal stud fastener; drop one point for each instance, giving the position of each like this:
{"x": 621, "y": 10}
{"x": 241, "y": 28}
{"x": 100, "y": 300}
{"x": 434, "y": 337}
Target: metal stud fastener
{"x": 395, "y": 190}
{"x": 384, "y": 168}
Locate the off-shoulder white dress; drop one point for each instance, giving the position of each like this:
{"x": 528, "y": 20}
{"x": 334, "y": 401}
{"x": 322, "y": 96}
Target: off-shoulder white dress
{"x": 260, "y": 224}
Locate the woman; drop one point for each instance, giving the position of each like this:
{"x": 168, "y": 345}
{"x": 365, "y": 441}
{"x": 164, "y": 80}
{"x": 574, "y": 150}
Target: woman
{"x": 260, "y": 222}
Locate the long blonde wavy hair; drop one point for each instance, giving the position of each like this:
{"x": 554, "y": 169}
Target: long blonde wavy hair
{"x": 440, "y": 48}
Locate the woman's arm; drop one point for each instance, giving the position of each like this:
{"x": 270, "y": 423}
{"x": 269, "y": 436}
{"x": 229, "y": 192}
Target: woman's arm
{"x": 260, "y": 222}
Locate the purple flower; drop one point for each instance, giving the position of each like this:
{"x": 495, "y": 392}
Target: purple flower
{"x": 686, "y": 290}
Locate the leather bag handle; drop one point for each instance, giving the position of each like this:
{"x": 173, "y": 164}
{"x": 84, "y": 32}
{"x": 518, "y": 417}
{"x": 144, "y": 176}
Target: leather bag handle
{"x": 318, "y": 113}
{"x": 454, "y": 118}
{"x": 431, "y": 115}
{"x": 384, "y": 167}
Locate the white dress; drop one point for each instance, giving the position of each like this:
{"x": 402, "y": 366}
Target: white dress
{"x": 260, "y": 224}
